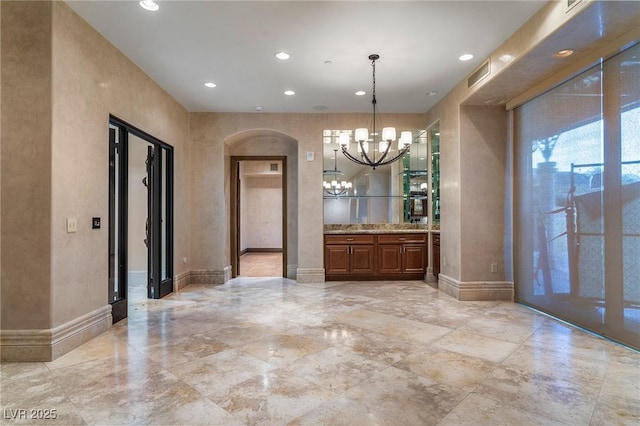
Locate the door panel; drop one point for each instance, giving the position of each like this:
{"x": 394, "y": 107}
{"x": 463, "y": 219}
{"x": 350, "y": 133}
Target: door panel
{"x": 415, "y": 258}
{"x": 390, "y": 258}
{"x": 117, "y": 224}
{"x": 337, "y": 258}
{"x": 362, "y": 258}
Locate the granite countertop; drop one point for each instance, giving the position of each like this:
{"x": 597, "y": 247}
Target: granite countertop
{"x": 383, "y": 228}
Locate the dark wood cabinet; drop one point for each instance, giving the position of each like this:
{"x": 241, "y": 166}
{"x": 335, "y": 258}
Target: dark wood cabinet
{"x": 349, "y": 255}
{"x": 435, "y": 250}
{"x": 375, "y": 256}
{"x": 402, "y": 255}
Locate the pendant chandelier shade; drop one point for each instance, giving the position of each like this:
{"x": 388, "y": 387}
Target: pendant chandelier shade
{"x": 388, "y": 137}
{"x": 333, "y": 187}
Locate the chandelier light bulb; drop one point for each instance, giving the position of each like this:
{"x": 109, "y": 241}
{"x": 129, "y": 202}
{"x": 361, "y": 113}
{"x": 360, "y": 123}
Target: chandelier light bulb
{"x": 389, "y": 134}
{"x": 405, "y": 139}
{"x": 363, "y": 146}
{"x": 383, "y": 146}
{"x": 343, "y": 139}
{"x": 362, "y": 134}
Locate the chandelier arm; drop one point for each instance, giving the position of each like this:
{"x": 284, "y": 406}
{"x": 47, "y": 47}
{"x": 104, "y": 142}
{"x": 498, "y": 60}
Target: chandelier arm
{"x": 352, "y": 158}
{"x": 389, "y": 161}
{"x": 384, "y": 155}
{"x": 364, "y": 153}
{"x": 377, "y": 163}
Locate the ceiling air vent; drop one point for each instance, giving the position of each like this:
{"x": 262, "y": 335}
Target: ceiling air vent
{"x": 274, "y": 167}
{"x": 479, "y": 74}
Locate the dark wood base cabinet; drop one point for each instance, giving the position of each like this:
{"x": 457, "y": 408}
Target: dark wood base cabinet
{"x": 375, "y": 256}
{"x": 435, "y": 249}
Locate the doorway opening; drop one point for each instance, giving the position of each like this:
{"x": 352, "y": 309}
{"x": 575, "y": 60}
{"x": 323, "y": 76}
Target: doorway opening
{"x": 259, "y": 216}
{"x": 140, "y": 217}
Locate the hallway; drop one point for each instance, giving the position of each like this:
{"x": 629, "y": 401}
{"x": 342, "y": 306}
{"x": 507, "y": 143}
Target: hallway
{"x": 261, "y": 264}
{"x": 271, "y": 351}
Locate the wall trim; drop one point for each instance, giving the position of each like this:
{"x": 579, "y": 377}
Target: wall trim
{"x": 262, "y": 250}
{"x": 210, "y": 276}
{"x": 49, "y": 344}
{"x": 310, "y": 275}
{"x": 429, "y": 277}
{"x": 476, "y": 290}
{"x": 292, "y": 272}
{"x": 181, "y": 280}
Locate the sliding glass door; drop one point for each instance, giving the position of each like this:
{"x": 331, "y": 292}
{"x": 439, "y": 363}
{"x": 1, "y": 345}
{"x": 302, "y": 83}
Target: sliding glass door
{"x": 577, "y": 192}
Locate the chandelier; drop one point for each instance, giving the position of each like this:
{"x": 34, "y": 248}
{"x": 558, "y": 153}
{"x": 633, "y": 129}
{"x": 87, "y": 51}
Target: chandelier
{"x": 361, "y": 137}
{"x": 334, "y": 188}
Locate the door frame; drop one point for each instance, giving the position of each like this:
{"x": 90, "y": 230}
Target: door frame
{"x": 235, "y": 206}
{"x": 164, "y": 287}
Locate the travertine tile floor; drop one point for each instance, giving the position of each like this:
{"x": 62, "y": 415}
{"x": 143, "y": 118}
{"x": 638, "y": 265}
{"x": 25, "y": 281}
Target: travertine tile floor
{"x": 269, "y": 351}
{"x": 261, "y": 264}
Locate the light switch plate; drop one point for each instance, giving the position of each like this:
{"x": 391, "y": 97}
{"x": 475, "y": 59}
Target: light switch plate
{"x": 310, "y": 156}
{"x": 72, "y": 225}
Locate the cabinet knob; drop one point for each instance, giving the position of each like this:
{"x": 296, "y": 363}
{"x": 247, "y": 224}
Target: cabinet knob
{"x": 349, "y": 239}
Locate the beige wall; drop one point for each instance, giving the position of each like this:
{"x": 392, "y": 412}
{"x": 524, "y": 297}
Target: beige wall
{"x": 92, "y": 79}
{"x": 26, "y": 165}
{"x": 261, "y": 205}
{"x": 209, "y": 166}
{"x": 62, "y": 80}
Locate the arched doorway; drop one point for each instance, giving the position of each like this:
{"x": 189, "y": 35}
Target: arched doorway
{"x": 275, "y": 150}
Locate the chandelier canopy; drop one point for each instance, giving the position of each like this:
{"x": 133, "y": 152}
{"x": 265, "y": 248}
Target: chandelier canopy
{"x": 333, "y": 187}
{"x": 361, "y": 137}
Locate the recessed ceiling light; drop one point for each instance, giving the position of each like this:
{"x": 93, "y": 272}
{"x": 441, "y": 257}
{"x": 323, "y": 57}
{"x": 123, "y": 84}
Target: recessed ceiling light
{"x": 564, "y": 53}
{"x": 210, "y": 84}
{"x": 432, "y": 93}
{"x": 361, "y": 93}
{"x": 328, "y": 62}
{"x": 466, "y": 57}
{"x": 149, "y": 5}
{"x": 283, "y": 55}
{"x": 289, "y": 92}
{"x": 258, "y": 108}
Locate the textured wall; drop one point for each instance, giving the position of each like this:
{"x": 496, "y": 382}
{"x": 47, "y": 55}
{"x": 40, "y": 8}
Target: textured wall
{"x": 26, "y": 165}
{"x": 263, "y": 205}
{"x": 92, "y": 79}
{"x": 208, "y": 166}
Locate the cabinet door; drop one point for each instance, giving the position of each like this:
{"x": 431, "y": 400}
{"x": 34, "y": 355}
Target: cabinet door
{"x": 415, "y": 259}
{"x": 336, "y": 259}
{"x": 390, "y": 258}
{"x": 362, "y": 260}
{"x": 436, "y": 254}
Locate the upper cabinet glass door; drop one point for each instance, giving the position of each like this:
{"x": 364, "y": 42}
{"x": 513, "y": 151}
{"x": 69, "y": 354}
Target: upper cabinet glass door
{"x": 434, "y": 141}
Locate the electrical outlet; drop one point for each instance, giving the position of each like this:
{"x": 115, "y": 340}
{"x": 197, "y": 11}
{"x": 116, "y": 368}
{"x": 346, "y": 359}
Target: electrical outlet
{"x": 184, "y": 260}
{"x": 494, "y": 267}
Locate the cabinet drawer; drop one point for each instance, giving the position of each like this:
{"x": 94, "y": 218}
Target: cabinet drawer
{"x": 402, "y": 238}
{"x": 348, "y": 239}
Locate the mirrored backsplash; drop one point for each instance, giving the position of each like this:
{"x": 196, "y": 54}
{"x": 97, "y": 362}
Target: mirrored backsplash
{"x": 397, "y": 193}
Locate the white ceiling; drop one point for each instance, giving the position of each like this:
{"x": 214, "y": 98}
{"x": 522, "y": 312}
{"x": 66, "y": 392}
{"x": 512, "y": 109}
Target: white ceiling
{"x": 233, "y": 43}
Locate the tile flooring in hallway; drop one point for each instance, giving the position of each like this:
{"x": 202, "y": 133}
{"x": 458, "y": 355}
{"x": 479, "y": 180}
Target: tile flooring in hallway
{"x": 261, "y": 264}
{"x": 274, "y": 352}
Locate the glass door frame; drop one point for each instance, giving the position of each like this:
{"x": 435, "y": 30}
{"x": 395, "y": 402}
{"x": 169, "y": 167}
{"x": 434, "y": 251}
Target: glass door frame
{"x": 118, "y": 216}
